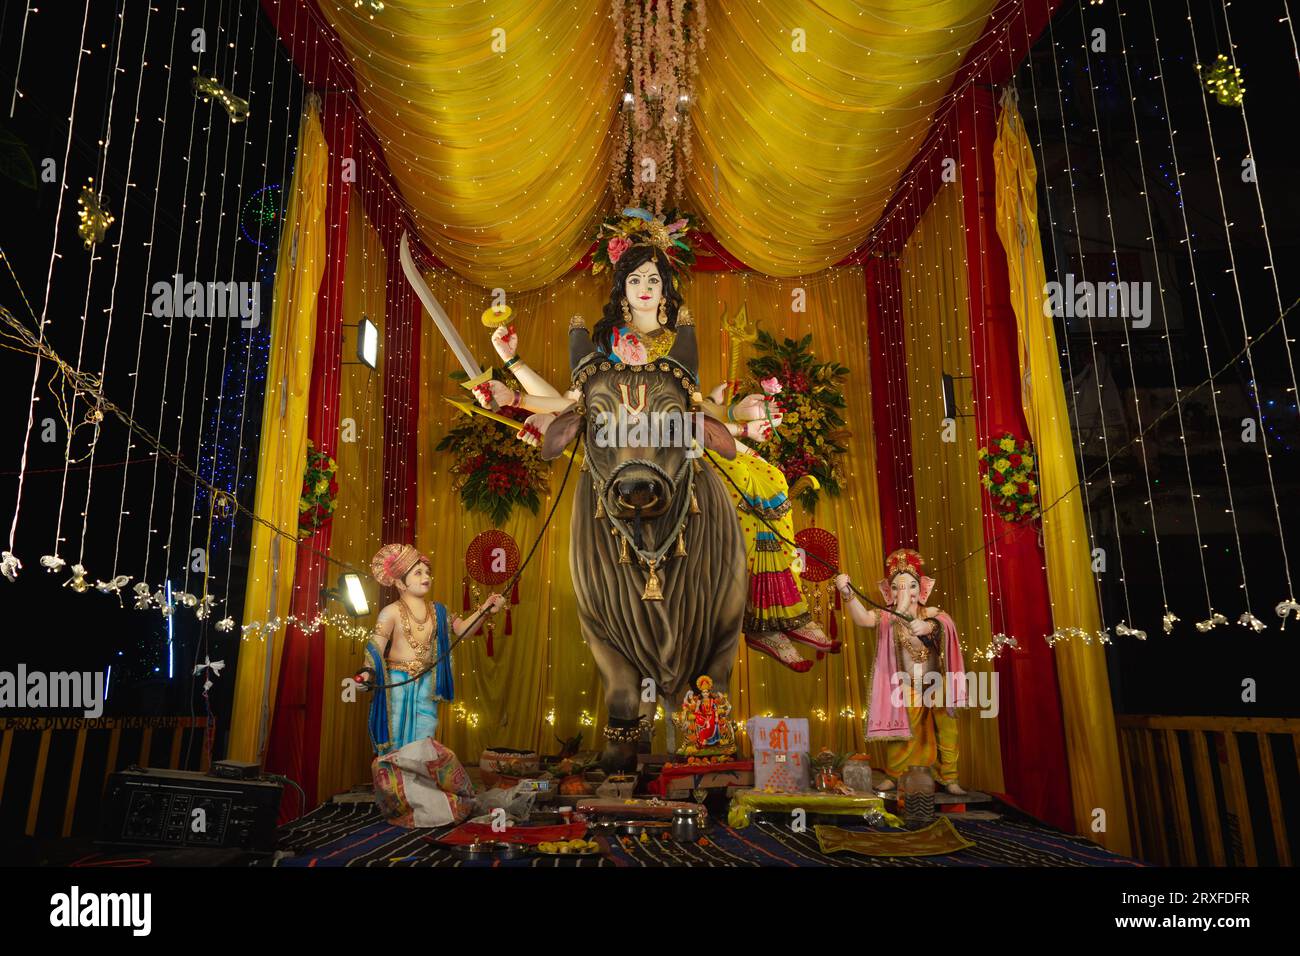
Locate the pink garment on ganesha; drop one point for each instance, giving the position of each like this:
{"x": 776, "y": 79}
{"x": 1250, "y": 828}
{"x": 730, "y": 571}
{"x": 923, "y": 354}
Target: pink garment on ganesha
{"x": 886, "y": 719}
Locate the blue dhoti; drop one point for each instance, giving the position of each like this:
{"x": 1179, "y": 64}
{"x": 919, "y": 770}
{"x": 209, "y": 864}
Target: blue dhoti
{"x": 409, "y": 711}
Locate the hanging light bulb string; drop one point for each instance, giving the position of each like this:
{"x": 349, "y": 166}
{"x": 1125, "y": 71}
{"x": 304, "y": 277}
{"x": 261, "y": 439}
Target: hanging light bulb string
{"x": 148, "y": 264}
{"x": 117, "y": 260}
{"x": 1169, "y": 617}
{"x": 31, "y": 344}
{"x": 1056, "y": 259}
{"x": 1128, "y": 346}
{"x": 49, "y": 275}
{"x": 1241, "y": 308}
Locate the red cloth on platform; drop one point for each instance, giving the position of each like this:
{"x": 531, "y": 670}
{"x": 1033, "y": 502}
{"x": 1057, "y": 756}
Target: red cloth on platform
{"x": 672, "y": 771}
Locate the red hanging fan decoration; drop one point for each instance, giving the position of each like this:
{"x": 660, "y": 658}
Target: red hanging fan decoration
{"x": 823, "y": 551}
{"x": 821, "y": 562}
{"x": 492, "y": 558}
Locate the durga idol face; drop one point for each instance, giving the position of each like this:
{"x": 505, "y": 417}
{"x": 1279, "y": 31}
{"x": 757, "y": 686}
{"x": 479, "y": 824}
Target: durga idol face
{"x": 644, "y": 288}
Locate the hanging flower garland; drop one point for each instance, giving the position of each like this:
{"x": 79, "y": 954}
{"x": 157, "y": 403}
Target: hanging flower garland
{"x": 1008, "y": 474}
{"x": 320, "y": 490}
{"x": 494, "y": 471}
{"x": 812, "y": 435}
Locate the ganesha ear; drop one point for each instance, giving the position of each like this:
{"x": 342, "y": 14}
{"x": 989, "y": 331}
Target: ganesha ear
{"x": 883, "y": 584}
{"x": 717, "y": 439}
{"x": 927, "y": 585}
{"x": 560, "y": 433}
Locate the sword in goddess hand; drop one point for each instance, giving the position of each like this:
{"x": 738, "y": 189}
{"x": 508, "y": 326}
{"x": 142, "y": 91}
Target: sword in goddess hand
{"x": 440, "y": 318}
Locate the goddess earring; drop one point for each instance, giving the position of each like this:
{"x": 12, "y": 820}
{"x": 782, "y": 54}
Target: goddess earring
{"x": 627, "y": 313}
{"x": 663, "y": 311}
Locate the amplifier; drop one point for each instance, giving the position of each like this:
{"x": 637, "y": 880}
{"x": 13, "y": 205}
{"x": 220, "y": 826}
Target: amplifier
{"x": 181, "y": 808}
{"x": 235, "y": 770}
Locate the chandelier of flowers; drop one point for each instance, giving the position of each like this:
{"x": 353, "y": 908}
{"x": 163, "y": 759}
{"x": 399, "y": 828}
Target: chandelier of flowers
{"x": 656, "y": 43}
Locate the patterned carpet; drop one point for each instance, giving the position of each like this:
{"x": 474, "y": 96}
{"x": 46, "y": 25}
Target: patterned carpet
{"x": 355, "y": 835}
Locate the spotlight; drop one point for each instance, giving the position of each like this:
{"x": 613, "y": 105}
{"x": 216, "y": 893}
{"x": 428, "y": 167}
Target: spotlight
{"x": 350, "y": 594}
{"x": 367, "y": 343}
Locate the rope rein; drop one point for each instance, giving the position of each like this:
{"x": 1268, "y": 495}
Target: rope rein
{"x": 474, "y": 619}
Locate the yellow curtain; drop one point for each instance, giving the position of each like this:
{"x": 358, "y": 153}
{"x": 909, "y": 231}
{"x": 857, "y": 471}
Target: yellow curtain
{"x": 496, "y": 120}
{"x": 1091, "y": 741}
{"x": 282, "y": 452}
{"x": 809, "y": 112}
{"x": 542, "y": 684}
{"x": 949, "y": 516}
{"x": 345, "y": 751}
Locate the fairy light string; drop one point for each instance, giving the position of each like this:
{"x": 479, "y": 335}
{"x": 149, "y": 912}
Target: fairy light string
{"x": 54, "y": 248}
{"x": 1064, "y": 343}
{"x": 1128, "y": 345}
{"x": 149, "y": 245}
{"x": 1169, "y": 618}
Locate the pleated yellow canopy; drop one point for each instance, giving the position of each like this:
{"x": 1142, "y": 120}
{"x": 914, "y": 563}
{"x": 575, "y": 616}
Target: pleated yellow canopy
{"x": 498, "y": 121}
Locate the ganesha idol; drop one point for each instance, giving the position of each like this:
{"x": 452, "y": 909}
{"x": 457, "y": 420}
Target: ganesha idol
{"x": 917, "y": 648}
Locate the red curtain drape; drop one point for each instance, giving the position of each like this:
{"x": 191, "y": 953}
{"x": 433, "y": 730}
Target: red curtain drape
{"x": 293, "y": 748}
{"x": 889, "y": 404}
{"x": 1030, "y": 725}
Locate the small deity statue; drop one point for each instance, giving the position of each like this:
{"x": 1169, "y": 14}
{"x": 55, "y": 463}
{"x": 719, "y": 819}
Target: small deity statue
{"x": 918, "y": 679}
{"x": 704, "y": 723}
{"x": 409, "y": 652}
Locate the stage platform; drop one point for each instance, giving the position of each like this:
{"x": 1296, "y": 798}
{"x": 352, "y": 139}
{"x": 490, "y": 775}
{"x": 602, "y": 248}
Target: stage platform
{"x": 353, "y": 834}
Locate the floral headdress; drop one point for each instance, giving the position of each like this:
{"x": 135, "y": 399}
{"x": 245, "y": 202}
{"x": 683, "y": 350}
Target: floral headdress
{"x": 633, "y": 227}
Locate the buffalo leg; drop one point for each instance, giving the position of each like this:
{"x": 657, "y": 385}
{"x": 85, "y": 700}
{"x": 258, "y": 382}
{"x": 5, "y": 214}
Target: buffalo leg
{"x": 622, "y": 686}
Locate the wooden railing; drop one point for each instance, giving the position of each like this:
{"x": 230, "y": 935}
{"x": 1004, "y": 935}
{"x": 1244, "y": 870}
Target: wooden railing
{"x": 1206, "y": 791}
{"x": 56, "y": 752}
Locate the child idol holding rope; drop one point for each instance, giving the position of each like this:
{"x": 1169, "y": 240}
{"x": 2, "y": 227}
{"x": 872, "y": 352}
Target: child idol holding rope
{"x": 410, "y": 650}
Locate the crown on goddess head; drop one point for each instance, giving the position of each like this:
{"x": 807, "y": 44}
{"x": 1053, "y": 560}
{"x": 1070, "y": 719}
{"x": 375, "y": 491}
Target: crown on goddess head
{"x": 636, "y": 227}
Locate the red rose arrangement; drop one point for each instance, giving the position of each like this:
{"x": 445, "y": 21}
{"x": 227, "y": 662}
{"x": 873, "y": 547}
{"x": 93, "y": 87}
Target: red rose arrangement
{"x": 320, "y": 489}
{"x": 1008, "y": 474}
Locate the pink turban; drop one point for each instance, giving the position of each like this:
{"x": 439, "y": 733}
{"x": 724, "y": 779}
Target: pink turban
{"x": 393, "y": 561}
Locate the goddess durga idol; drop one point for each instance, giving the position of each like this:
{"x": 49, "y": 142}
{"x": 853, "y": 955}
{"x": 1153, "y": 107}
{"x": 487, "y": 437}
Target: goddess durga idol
{"x": 639, "y": 325}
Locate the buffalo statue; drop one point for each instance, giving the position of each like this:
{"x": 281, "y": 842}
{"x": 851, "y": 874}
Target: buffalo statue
{"x": 656, "y": 550}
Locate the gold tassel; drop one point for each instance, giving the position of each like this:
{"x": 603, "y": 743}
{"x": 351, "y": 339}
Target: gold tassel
{"x": 652, "y": 592}
{"x": 681, "y": 545}
{"x": 622, "y": 551}
{"x": 695, "y": 505}
{"x": 600, "y": 507}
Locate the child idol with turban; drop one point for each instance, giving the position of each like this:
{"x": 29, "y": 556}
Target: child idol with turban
{"x": 409, "y": 652}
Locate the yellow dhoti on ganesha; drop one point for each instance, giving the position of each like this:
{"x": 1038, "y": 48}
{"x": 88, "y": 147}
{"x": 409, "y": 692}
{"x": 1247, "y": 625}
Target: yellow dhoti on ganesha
{"x": 638, "y": 326}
